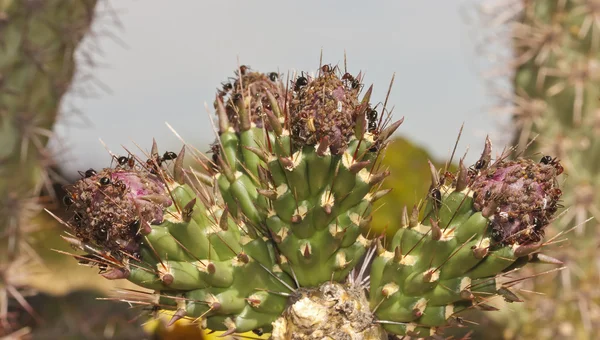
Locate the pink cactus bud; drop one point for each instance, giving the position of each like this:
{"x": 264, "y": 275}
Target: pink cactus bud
{"x": 112, "y": 207}
{"x": 519, "y": 196}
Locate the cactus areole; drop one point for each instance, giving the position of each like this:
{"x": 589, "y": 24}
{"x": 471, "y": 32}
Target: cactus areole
{"x": 274, "y": 244}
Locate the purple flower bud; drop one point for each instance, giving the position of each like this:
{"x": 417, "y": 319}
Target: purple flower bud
{"x": 326, "y": 107}
{"x": 520, "y": 197}
{"x": 112, "y": 207}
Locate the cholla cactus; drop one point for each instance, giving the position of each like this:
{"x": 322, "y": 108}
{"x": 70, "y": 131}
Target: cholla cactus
{"x": 269, "y": 239}
{"x": 38, "y": 40}
{"x": 555, "y": 71}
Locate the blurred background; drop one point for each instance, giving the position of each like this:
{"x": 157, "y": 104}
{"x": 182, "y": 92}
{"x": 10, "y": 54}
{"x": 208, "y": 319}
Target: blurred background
{"x": 141, "y": 64}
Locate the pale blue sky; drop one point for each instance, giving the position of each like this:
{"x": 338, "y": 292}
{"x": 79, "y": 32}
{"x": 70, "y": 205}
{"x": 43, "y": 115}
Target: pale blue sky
{"x": 178, "y": 52}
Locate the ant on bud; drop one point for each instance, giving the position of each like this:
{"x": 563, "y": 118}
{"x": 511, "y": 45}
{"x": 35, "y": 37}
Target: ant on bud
{"x": 273, "y": 76}
{"x": 328, "y": 69}
{"x": 124, "y": 160}
{"x": 89, "y": 173}
{"x": 353, "y": 81}
{"x": 300, "y": 83}
{"x": 474, "y": 169}
{"x": 68, "y": 200}
{"x": 548, "y": 160}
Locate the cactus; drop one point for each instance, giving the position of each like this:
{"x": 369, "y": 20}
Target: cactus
{"x": 555, "y": 71}
{"x": 37, "y": 44}
{"x": 269, "y": 237}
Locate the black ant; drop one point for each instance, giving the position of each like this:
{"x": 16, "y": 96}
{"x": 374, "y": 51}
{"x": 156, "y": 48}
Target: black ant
{"x": 124, "y": 160}
{"x": 273, "y": 76}
{"x": 68, "y": 200}
{"x": 353, "y": 81}
{"x": 479, "y": 165}
{"x": 548, "y": 160}
{"x": 154, "y": 164}
{"x": 92, "y": 261}
{"x": 300, "y": 83}
{"x": 227, "y": 87}
{"x": 89, "y": 173}
{"x": 243, "y": 69}
{"x": 372, "y": 117}
{"x": 436, "y": 194}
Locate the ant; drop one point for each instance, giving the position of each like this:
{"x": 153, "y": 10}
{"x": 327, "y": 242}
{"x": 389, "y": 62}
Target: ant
{"x": 548, "y": 160}
{"x": 300, "y": 83}
{"x": 92, "y": 261}
{"x": 328, "y": 69}
{"x": 124, "y": 160}
{"x": 156, "y": 162}
{"x": 353, "y": 81}
{"x": 226, "y": 88}
{"x": 474, "y": 169}
{"x": 88, "y": 173}
{"x": 68, "y": 200}
{"x": 273, "y": 76}
{"x": 372, "y": 117}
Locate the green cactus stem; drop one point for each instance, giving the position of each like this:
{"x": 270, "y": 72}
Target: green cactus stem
{"x": 301, "y": 167}
{"x": 478, "y": 224}
{"x": 140, "y": 223}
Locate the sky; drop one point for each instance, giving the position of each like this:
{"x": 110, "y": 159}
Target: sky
{"x": 162, "y": 61}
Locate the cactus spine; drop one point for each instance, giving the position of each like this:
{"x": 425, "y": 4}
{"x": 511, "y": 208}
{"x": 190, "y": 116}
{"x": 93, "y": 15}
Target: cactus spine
{"x": 268, "y": 238}
{"x": 37, "y": 45}
{"x": 555, "y": 73}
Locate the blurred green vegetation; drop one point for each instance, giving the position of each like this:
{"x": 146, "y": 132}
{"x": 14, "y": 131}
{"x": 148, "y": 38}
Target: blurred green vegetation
{"x": 410, "y": 180}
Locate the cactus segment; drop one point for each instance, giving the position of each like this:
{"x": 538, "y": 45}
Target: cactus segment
{"x": 303, "y": 169}
{"x": 158, "y": 233}
{"x": 474, "y": 229}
